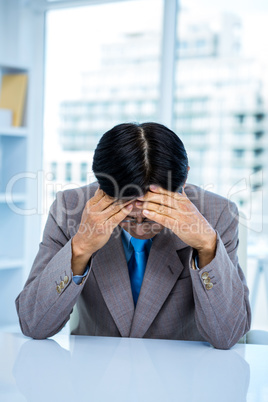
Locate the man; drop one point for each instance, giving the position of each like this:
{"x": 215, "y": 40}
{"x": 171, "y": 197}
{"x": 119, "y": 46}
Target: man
{"x": 140, "y": 252}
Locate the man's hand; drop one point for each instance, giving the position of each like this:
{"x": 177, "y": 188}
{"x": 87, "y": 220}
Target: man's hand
{"x": 100, "y": 217}
{"x": 176, "y": 212}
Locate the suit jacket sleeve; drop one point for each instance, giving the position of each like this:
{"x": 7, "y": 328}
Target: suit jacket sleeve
{"x": 42, "y": 310}
{"x": 222, "y": 313}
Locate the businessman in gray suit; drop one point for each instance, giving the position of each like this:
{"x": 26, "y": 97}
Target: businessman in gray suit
{"x": 140, "y": 252}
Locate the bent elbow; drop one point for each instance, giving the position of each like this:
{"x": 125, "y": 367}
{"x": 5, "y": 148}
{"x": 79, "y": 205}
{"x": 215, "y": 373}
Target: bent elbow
{"x": 228, "y": 343}
{"x": 32, "y": 333}
{"x": 225, "y": 345}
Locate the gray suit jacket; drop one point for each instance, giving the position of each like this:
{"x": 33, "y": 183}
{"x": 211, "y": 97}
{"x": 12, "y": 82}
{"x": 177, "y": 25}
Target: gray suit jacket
{"x": 174, "y": 302}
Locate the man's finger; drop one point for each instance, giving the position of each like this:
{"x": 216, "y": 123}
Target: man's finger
{"x": 162, "y": 219}
{"x": 99, "y": 202}
{"x": 116, "y": 218}
{"x": 99, "y": 194}
{"x": 106, "y": 201}
{"x": 113, "y": 209}
{"x": 160, "y": 190}
{"x": 121, "y": 204}
{"x": 181, "y": 208}
{"x": 158, "y": 208}
{"x": 161, "y": 199}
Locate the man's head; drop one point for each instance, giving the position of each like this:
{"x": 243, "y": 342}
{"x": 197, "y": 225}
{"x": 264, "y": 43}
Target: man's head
{"x": 130, "y": 157}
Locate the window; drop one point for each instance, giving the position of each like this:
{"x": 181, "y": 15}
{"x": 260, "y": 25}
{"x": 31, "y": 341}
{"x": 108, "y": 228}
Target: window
{"x": 219, "y": 103}
{"x": 83, "y": 172}
{"x": 54, "y": 168}
{"x": 259, "y": 134}
{"x": 257, "y": 168}
{"x": 223, "y": 63}
{"x": 68, "y": 171}
{"x": 258, "y": 151}
{"x": 200, "y": 43}
{"x": 241, "y": 118}
{"x": 106, "y": 72}
{"x": 239, "y": 153}
{"x": 259, "y": 117}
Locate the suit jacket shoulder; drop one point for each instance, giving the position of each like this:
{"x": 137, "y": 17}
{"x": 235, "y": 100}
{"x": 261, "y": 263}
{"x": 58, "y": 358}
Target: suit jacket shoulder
{"x": 215, "y": 208}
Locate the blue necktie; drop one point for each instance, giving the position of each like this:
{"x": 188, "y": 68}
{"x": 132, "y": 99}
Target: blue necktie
{"x": 137, "y": 265}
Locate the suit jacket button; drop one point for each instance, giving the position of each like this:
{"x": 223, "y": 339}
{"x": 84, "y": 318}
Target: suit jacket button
{"x": 209, "y": 286}
{"x": 61, "y": 284}
{"x": 204, "y": 275}
{"x": 66, "y": 279}
{"x": 58, "y": 289}
{"x": 206, "y": 281}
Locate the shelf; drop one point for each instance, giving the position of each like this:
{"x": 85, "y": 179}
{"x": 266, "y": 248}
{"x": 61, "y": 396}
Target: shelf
{"x": 6, "y": 198}
{"x": 9, "y": 68}
{"x": 14, "y": 131}
{"x": 17, "y": 153}
{"x": 10, "y": 263}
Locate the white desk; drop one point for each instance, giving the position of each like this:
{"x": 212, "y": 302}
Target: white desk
{"x": 97, "y": 369}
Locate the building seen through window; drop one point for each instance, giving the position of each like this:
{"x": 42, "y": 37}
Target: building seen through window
{"x": 119, "y": 84}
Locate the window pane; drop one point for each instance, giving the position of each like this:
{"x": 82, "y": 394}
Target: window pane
{"x": 83, "y": 172}
{"x": 68, "y": 171}
{"x": 102, "y": 69}
{"x": 220, "y": 112}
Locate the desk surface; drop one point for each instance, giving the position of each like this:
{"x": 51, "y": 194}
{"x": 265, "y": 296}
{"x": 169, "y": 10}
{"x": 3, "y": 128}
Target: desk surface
{"x": 77, "y": 368}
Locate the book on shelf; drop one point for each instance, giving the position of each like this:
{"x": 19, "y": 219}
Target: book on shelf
{"x": 13, "y": 95}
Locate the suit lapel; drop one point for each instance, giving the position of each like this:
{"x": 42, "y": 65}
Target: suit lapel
{"x": 162, "y": 271}
{"x": 111, "y": 272}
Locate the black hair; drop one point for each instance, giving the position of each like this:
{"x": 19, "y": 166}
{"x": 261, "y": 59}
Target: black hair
{"x": 131, "y": 156}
